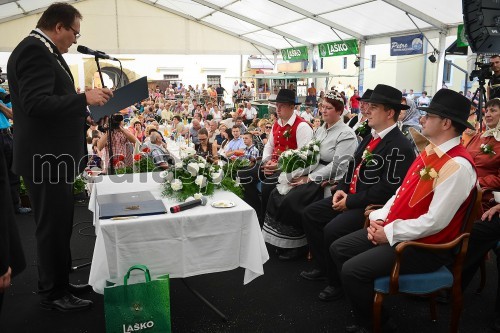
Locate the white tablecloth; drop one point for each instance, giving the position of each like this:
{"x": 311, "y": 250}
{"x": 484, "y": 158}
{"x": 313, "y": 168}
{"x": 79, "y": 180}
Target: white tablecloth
{"x": 197, "y": 241}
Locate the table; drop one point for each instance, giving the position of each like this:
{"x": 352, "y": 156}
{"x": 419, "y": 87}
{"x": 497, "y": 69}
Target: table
{"x": 197, "y": 241}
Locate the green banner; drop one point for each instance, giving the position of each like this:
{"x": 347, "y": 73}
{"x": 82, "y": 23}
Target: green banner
{"x": 461, "y": 39}
{"x": 333, "y": 49}
{"x": 295, "y": 53}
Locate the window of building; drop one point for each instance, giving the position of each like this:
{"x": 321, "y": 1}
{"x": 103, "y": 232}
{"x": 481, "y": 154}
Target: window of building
{"x": 213, "y": 80}
{"x": 172, "y": 77}
{"x": 373, "y": 60}
{"x": 447, "y": 71}
{"x": 321, "y": 63}
{"x": 344, "y": 66}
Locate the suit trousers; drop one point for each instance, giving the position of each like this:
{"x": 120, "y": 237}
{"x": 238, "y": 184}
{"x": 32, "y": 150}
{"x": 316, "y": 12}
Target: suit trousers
{"x": 361, "y": 262}
{"x": 53, "y": 207}
{"x": 322, "y": 226}
{"x": 7, "y": 145}
{"x": 249, "y": 178}
{"x": 484, "y": 237}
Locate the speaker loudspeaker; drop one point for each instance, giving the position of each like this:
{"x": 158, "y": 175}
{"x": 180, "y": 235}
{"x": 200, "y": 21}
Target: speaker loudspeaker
{"x": 482, "y": 25}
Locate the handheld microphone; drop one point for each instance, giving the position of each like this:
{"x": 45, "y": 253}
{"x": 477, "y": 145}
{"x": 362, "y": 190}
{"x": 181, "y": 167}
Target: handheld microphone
{"x": 188, "y": 205}
{"x": 98, "y": 54}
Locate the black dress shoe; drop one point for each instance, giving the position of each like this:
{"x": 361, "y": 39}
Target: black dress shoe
{"x": 356, "y": 329}
{"x": 67, "y": 303}
{"x": 331, "y": 293}
{"x": 79, "y": 289}
{"x": 290, "y": 254}
{"x": 314, "y": 275}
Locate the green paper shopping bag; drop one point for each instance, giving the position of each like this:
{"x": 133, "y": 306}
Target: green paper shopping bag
{"x": 139, "y": 307}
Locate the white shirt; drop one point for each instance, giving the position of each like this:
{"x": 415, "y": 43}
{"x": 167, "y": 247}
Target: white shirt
{"x": 448, "y": 197}
{"x": 383, "y": 132}
{"x": 250, "y": 113}
{"x": 307, "y": 116}
{"x": 303, "y": 135}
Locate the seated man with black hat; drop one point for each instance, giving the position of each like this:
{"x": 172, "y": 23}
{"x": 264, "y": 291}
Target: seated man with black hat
{"x": 378, "y": 168}
{"x": 289, "y": 132}
{"x": 429, "y": 207}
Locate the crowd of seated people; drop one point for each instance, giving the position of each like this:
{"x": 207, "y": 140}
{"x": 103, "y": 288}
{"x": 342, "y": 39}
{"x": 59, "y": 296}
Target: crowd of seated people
{"x": 327, "y": 204}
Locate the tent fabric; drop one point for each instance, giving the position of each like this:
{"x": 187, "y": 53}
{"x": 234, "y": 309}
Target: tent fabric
{"x": 278, "y": 24}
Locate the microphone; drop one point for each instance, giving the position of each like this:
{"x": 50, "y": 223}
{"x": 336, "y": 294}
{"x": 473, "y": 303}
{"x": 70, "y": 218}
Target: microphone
{"x": 188, "y": 205}
{"x": 98, "y": 54}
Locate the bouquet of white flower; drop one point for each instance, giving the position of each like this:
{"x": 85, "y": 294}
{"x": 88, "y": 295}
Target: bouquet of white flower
{"x": 193, "y": 177}
{"x": 295, "y": 163}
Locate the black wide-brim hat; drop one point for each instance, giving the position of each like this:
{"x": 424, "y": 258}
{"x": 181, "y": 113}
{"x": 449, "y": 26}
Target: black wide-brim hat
{"x": 285, "y": 96}
{"x": 387, "y": 95}
{"x": 449, "y": 104}
{"x": 366, "y": 95}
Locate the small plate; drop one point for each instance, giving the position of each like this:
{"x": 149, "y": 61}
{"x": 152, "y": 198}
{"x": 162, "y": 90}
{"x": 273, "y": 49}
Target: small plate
{"x": 223, "y": 204}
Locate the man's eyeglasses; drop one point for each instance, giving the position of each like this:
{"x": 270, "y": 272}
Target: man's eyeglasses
{"x": 76, "y": 33}
{"x": 268, "y": 127}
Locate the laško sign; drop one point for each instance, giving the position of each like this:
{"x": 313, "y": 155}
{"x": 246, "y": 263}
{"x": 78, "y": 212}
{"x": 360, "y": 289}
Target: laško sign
{"x": 333, "y": 49}
{"x": 295, "y": 53}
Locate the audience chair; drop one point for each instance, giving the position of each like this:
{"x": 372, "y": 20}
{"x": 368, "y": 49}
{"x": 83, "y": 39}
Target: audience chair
{"x": 429, "y": 284}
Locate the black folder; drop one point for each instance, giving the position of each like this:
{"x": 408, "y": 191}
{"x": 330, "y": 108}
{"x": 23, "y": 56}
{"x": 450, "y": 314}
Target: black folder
{"x": 123, "y": 209}
{"x": 122, "y": 98}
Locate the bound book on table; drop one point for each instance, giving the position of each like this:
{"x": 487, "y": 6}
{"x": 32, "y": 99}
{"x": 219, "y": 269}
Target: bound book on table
{"x": 129, "y": 204}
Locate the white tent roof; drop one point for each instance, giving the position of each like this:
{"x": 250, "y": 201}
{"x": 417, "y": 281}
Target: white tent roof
{"x": 277, "y": 24}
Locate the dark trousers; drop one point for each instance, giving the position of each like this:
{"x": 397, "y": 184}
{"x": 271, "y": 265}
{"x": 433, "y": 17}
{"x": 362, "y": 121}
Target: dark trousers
{"x": 322, "y": 226}
{"x": 249, "y": 179}
{"x": 361, "y": 262}
{"x": 7, "y": 145}
{"x": 53, "y": 207}
{"x": 484, "y": 237}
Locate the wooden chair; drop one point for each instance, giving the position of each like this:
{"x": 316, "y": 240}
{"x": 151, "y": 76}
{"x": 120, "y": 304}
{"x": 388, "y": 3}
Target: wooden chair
{"x": 430, "y": 283}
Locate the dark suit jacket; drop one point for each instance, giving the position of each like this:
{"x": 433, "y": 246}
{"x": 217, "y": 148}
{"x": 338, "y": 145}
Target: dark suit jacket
{"x": 48, "y": 113}
{"x": 377, "y": 183}
{"x": 11, "y": 251}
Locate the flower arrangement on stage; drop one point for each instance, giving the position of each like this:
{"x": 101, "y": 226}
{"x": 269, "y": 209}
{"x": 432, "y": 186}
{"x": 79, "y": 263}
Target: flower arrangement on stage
{"x": 142, "y": 163}
{"x": 295, "y": 163}
{"x": 234, "y": 164}
{"x": 193, "y": 176}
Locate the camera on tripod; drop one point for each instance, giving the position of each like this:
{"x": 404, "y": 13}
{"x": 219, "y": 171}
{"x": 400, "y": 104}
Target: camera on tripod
{"x": 111, "y": 123}
{"x": 482, "y": 71}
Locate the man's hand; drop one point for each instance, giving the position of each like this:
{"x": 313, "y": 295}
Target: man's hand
{"x": 269, "y": 167}
{"x": 338, "y": 201}
{"x": 98, "y": 96}
{"x": 488, "y": 215}
{"x": 299, "y": 181}
{"x": 5, "y": 280}
{"x": 376, "y": 232}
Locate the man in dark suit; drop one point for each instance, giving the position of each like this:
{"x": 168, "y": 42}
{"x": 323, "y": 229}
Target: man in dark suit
{"x": 43, "y": 95}
{"x": 11, "y": 252}
{"x": 379, "y": 165}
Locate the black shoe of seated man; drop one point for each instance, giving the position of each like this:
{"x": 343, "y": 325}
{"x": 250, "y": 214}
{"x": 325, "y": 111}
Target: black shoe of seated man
{"x": 79, "y": 289}
{"x": 443, "y": 297}
{"x": 290, "y": 254}
{"x": 496, "y": 325}
{"x": 314, "y": 275}
{"x": 22, "y": 210}
{"x": 356, "y": 329}
{"x": 331, "y": 293}
{"x": 67, "y": 303}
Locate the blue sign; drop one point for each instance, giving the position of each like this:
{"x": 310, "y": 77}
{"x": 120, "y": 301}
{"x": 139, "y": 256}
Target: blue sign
{"x": 407, "y": 45}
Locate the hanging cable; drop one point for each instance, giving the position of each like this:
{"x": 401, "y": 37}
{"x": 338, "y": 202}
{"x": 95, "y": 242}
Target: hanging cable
{"x": 262, "y": 54}
{"x": 436, "y": 51}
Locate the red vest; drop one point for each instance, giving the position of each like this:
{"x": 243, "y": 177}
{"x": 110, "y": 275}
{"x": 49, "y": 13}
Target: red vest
{"x": 415, "y": 195}
{"x": 285, "y": 137}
